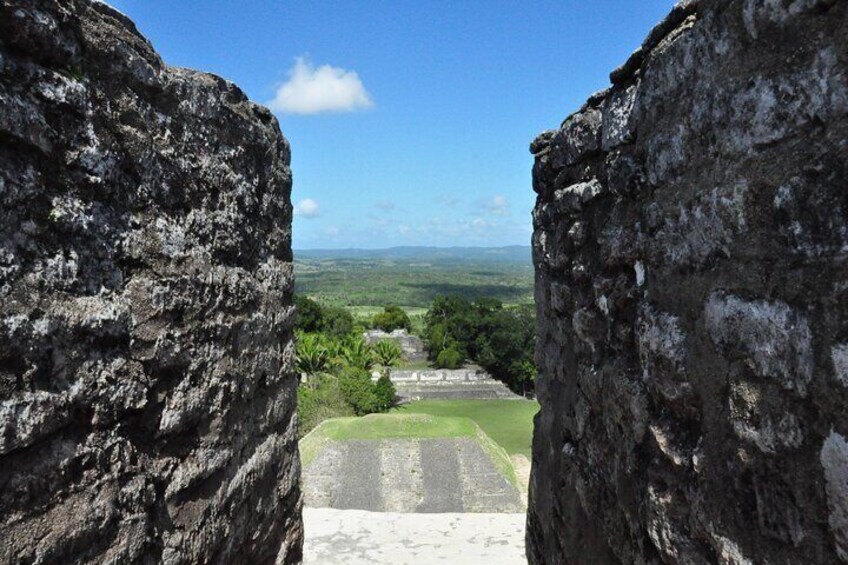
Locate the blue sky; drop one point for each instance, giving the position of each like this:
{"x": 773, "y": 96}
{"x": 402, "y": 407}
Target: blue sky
{"x": 409, "y": 121}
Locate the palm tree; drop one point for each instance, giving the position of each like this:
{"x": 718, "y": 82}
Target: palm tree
{"x": 388, "y": 354}
{"x": 357, "y": 353}
{"x": 312, "y": 356}
{"x": 335, "y": 353}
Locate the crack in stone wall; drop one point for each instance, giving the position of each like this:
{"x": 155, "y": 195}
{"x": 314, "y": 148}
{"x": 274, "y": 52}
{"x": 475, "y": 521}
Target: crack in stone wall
{"x": 147, "y": 396}
{"x": 691, "y": 254}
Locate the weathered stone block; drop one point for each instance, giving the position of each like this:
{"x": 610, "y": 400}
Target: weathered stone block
{"x": 579, "y": 136}
{"x": 691, "y": 230}
{"x": 147, "y": 397}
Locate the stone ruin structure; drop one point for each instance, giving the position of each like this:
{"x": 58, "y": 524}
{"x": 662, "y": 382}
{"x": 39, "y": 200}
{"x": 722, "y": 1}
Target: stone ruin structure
{"x": 412, "y": 345}
{"x": 468, "y": 383}
{"x": 691, "y": 255}
{"x": 147, "y": 397}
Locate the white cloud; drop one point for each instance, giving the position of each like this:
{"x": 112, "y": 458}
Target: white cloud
{"x": 332, "y": 231}
{"x": 308, "y": 208}
{"x": 385, "y": 205}
{"x": 446, "y": 199}
{"x": 312, "y": 90}
{"x": 480, "y": 223}
{"x": 497, "y": 205}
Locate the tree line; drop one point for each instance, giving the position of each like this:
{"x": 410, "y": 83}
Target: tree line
{"x": 498, "y": 338}
{"x": 336, "y": 363}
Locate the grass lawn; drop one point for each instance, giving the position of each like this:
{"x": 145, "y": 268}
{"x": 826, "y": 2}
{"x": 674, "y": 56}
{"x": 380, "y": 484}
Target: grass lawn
{"x": 508, "y": 422}
{"x": 390, "y": 426}
{"x": 383, "y": 426}
{"x": 404, "y": 426}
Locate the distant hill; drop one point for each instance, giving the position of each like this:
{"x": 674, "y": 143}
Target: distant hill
{"x": 517, "y": 254}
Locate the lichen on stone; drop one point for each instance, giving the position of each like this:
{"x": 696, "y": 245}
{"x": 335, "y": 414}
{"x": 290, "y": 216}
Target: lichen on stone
{"x": 775, "y": 340}
{"x": 147, "y": 391}
{"x": 834, "y": 462}
{"x": 691, "y": 311}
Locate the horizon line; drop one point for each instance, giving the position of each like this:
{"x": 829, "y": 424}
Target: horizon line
{"x": 528, "y": 246}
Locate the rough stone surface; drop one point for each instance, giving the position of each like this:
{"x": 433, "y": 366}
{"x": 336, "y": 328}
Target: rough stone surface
{"x": 356, "y": 537}
{"x": 147, "y": 398}
{"x": 691, "y": 254}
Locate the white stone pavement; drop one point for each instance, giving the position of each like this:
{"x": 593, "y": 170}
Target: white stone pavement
{"x": 353, "y": 537}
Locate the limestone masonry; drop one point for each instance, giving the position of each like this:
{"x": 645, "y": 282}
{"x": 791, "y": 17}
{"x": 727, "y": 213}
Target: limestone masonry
{"x": 691, "y": 253}
{"x": 147, "y": 395}
{"x": 412, "y": 345}
{"x": 470, "y": 383}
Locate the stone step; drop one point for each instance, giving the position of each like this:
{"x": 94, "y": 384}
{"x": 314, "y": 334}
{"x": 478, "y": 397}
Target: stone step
{"x": 353, "y": 537}
{"x": 408, "y": 475}
{"x": 450, "y": 393}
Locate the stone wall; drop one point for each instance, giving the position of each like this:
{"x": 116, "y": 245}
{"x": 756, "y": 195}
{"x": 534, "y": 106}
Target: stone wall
{"x": 470, "y": 383}
{"x": 691, "y": 253}
{"x": 471, "y": 375}
{"x": 412, "y": 345}
{"x": 147, "y": 401}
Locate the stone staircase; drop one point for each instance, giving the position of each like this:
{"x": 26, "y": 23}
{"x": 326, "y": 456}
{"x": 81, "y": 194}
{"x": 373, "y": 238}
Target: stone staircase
{"x": 470, "y": 383}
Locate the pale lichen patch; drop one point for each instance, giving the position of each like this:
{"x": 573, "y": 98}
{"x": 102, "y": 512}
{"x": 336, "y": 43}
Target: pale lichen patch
{"x": 660, "y": 337}
{"x": 834, "y": 461}
{"x": 728, "y": 552}
{"x": 839, "y": 356}
{"x": 775, "y": 340}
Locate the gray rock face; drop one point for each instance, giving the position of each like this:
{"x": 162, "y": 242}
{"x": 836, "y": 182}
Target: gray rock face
{"x": 147, "y": 397}
{"x": 691, "y": 253}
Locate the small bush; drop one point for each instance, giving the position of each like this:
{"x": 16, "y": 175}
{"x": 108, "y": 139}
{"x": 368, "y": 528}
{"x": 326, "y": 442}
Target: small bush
{"x": 449, "y": 358}
{"x": 320, "y": 400}
{"x": 359, "y": 391}
{"x": 392, "y": 318}
{"x": 386, "y": 393}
